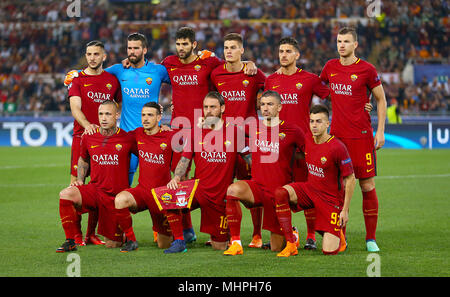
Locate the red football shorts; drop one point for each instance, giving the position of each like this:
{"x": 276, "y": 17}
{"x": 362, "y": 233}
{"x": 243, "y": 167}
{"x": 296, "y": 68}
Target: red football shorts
{"x": 363, "y": 155}
{"x": 327, "y": 214}
{"x": 242, "y": 170}
{"x": 213, "y": 216}
{"x": 144, "y": 200}
{"x": 94, "y": 199}
{"x": 300, "y": 170}
{"x": 265, "y": 197}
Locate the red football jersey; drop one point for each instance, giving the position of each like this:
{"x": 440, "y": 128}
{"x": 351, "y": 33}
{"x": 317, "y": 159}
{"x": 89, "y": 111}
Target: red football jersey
{"x": 214, "y": 153}
{"x": 190, "y": 83}
{"x": 239, "y": 91}
{"x": 296, "y": 92}
{"x": 93, "y": 90}
{"x": 109, "y": 158}
{"x": 328, "y": 163}
{"x": 272, "y": 150}
{"x": 155, "y": 156}
{"x": 350, "y": 86}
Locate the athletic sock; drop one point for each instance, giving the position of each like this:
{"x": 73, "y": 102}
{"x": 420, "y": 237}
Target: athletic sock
{"x": 174, "y": 219}
{"x": 310, "y": 216}
{"x": 256, "y": 213}
{"x": 186, "y": 219}
{"x": 234, "y": 217}
{"x": 69, "y": 218}
{"x": 370, "y": 211}
{"x": 283, "y": 212}
{"x": 92, "y": 222}
{"x": 125, "y": 222}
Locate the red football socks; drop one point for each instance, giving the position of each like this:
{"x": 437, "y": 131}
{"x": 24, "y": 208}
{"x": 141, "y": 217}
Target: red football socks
{"x": 174, "y": 217}
{"x": 284, "y": 213}
{"x": 186, "y": 219}
{"x": 234, "y": 217}
{"x": 310, "y": 216}
{"x": 69, "y": 218}
{"x": 92, "y": 222}
{"x": 125, "y": 222}
{"x": 256, "y": 213}
{"x": 370, "y": 211}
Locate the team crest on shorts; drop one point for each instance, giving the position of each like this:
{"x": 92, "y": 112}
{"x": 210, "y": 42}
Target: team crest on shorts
{"x": 353, "y": 77}
{"x": 197, "y": 67}
{"x": 245, "y": 83}
{"x": 149, "y": 80}
{"x": 118, "y": 146}
{"x": 323, "y": 160}
{"x": 298, "y": 86}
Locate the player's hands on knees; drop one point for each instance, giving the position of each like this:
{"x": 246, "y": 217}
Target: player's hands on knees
{"x": 250, "y": 68}
{"x": 126, "y": 63}
{"x": 77, "y": 183}
{"x": 70, "y": 76}
{"x": 368, "y": 107}
{"x": 343, "y": 218}
{"x": 90, "y": 129}
{"x": 173, "y": 184}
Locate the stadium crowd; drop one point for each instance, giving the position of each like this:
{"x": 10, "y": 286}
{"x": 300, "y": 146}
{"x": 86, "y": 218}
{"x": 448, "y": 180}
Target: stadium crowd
{"x": 39, "y": 42}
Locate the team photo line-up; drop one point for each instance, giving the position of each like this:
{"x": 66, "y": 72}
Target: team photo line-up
{"x": 289, "y": 159}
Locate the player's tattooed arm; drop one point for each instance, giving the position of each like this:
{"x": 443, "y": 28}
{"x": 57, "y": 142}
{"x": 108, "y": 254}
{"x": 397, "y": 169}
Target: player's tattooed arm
{"x": 82, "y": 170}
{"x": 180, "y": 172}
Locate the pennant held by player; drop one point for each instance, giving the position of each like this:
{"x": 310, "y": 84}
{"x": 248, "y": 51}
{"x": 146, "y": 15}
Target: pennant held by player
{"x": 180, "y": 198}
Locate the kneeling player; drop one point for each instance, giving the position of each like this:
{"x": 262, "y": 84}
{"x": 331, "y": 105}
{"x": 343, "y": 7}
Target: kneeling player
{"x": 155, "y": 154}
{"x": 329, "y": 188}
{"x": 107, "y": 154}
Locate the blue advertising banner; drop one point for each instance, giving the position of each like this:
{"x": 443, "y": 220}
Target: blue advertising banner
{"x": 30, "y": 131}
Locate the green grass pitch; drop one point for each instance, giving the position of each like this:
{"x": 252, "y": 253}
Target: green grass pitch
{"x": 413, "y": 187}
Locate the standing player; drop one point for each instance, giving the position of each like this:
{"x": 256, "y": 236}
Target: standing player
{"x": 214, "y": 153}
{"x": 351, "y": 79}
{"x": 140, "y": 83}
{"x": 329, "y": 188}
{"x": 272, "y": 145}
{"x": 155, "y": 154}
{"x": 240, "y": 93}
{"x": 86, "y": 93}
{"x": 106, "y": 153}
{"x": 297, "y": 88}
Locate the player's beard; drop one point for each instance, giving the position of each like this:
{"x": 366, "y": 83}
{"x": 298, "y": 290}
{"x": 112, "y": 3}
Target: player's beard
{"x": 185, "y": 54}
{"x": 211, "y": 121}
{"x": 135, "y": 59}
{"x": 95, "y": 66}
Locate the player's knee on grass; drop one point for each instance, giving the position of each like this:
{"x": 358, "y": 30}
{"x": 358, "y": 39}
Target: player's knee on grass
{"x": 112, "y": 244}
{"x": 330, "y": 244}
{"x": 277, "y": 242}
{"x": 164, "y": 241}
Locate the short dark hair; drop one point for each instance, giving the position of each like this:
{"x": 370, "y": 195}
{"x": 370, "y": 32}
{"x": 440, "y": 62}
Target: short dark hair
{"x": 319, "y": 108}
{"x": 216, "y": 95}
{"x": 270, "y": 93}
{"x": 95, "y": 43}
{"x": 291, "y": 41}
{"x": 349, "y": 30}
{"x": 153, "y": 105}
{"x": 234, "y": 36}
{"x": 185, "y": 33}
{"x": 138, "y": 36}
